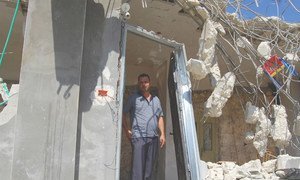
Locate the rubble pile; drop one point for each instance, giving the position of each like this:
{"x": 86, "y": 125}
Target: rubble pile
{"x": 252, "y": 170}
{"x": 284, "y": 167}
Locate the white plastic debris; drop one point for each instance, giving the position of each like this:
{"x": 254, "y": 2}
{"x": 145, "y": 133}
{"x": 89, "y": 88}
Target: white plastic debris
{"x": 280, "y": 130}
{"x": 197, "y": 68}
{"x": 264, "y": 49}
{"x": 263, "y": 127}
{"x": 252, "y": 113}
{"x": 215, "y": 103}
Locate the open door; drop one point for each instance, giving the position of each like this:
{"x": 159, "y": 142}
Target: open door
{"x": 185, "y": 136}
{"x": 181, "y": 169}
{"x": 184, "y": 131}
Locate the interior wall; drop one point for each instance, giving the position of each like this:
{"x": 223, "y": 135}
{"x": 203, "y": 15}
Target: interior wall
{"x": 227, "y": 136}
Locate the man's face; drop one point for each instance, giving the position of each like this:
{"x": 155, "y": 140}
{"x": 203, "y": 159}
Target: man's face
{"x": 144, "y": 84}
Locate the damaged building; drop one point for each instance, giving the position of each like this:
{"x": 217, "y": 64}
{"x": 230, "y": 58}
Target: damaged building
{"x": 229, "y": 88}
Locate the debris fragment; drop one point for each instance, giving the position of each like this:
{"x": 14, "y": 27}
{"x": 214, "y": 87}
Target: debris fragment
{"x": 288, "y": 167}
{"x": 197, "y": 68}
{"x": 280, "y": 130}
{"x": 213, "y": 106}
{"x": 264, "y": 49}
{"x": 252, "y": 113}
{"x": 291, "y": 57}
{"x": 263, "y": 127}
{"x": 249, "y": 136}
{"x": 203, "y": 12}
{"x": 253, "y": 169}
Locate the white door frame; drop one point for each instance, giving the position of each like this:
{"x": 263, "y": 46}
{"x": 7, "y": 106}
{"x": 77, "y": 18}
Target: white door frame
{"x": 183, "y": 95}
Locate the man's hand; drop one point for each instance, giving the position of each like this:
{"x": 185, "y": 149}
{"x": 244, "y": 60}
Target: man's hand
{"x": 162, "y": 140}
{"x": 128, "y": 134}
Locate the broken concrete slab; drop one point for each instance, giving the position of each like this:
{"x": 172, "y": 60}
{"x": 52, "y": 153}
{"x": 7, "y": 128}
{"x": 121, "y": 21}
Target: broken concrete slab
{"x": 263, "y": 127}
{"x": 252, "y": 113}
{"x": 197, "y": 68}
{"x": 280, "y": 130}
{"x": 288, "y": 167}
{"x": 213, "y": 106}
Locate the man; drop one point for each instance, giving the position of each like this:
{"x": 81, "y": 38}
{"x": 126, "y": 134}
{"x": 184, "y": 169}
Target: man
{"x": 146, "y": 117}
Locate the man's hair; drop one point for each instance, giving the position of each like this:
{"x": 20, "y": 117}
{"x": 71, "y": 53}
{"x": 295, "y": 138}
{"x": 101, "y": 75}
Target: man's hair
{"x": 144, "y": 75}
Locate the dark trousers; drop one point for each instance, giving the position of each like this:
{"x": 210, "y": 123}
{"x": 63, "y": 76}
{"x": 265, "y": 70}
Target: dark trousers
{"x": 144, "y": 151}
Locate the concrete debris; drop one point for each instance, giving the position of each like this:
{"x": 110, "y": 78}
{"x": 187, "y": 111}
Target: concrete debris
{"x": 264, "y": 49}
{"x": 206, "y": 53}
{"x": 249, "y": 136}
{"x": 291, "y": 57}
{"x": 250, "y": 170}
{"x": 213, "y": 106}
{"x": 296, "y": 127}
{"x": 215, "y": 74}
{"x": 193, "y": 2}
{"x": 288, "y": 167}
{"x": 203, "y": 12}
{"x": 263, "y": 127}
{"x": 269, "y": 166}
{"x": 280, "y": 130}
{"x": 219, "y": 28}
{"x": 203, "y": 170}
{"x": 233, "y": 17}
{"x": 197, "y": 68}
{"x": 215, "y": 171}
{"x": 252, "y": 113}
{"x": 207, "y": 43}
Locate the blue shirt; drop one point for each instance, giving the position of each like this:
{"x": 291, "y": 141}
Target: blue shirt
{"x": 144, "y": 115}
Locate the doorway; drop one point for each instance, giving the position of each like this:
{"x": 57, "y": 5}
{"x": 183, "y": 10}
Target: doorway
{"x": 150, "y": 53}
